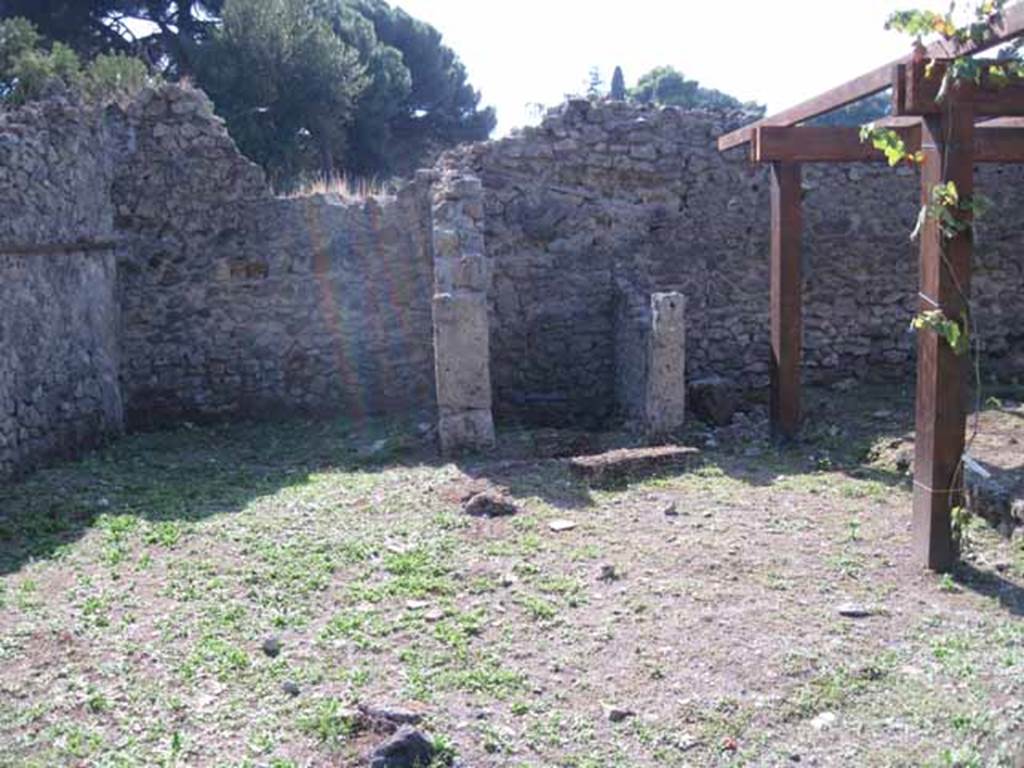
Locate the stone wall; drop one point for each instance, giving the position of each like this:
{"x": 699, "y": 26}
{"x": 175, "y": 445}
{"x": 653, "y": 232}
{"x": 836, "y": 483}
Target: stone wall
{"x": 147, "y": 275}
{"x": 59, "y": 349}
{"x": 600, "y": 206}
{"x": 238, "y": 303}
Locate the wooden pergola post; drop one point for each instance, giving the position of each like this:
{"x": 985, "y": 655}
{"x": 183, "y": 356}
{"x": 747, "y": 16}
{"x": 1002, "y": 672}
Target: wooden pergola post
{"x": 786, "y": 305}
{"x": 947, "y": 143}
{"x": 942, "y": 126}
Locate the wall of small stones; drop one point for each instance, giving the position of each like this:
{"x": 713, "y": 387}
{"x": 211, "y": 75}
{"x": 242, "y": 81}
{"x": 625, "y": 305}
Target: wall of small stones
{"x": 600, "y": 206}
{"x": 59, "y": 350}
{"x": 147, "y": 275}
{"x": 237, "y": 303}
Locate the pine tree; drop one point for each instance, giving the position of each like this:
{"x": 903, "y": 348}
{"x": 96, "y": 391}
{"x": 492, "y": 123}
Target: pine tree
{"x": 618, "y": 92}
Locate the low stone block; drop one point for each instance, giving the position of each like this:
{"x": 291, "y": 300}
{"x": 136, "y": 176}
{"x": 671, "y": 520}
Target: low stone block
{"x": 617, "y": 467}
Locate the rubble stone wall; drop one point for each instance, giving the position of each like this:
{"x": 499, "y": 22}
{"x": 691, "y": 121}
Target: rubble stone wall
{"x": 59, "y": 350}
{"x": 147, "y": 274}
{"x": 235, "y": 302}
{"x": 602, "y": 205}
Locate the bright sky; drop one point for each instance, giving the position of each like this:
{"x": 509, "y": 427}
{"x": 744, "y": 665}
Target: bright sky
{"x": 776, "y": 52}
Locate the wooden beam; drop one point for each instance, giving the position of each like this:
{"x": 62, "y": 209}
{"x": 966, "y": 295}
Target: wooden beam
{"x": 1010, "y": 25}
{"x": 923, "y": 81}
{"x": 821, "y": 144}
{"x": 786, "y": 309}
{"x": 942, "y": 375}
{"x": 838, "y": 144}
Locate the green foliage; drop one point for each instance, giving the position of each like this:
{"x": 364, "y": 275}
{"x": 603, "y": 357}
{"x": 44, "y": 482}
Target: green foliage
{"x": 595, "y": 85}
{"x": 28, "y": 67}
{"x": 955, "y": 215}
{"x": 285, "y": 83}
{"x": 955, "y": 333}
{"x": 307, "y": 88}
{"x": 920, "y": 24}
{"x": 618, "y": 87}
{"x": 667, "y": 86}
{"x": 891, "y": 144}
{"x": 977, "y": 29}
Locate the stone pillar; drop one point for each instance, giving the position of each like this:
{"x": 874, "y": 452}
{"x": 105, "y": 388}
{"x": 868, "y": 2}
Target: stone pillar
{"x": 462, "y": 363}
{"x": 651, "y": 361}
{"x": 665, "y": 392}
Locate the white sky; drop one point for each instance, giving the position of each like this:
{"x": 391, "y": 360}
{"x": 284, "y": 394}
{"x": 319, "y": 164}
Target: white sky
{"x": 776, "y": 52}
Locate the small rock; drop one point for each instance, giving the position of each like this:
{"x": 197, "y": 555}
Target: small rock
{"x": 617, "y": 714}
{"x": 271, "y": 647}
{"x": 670, "y": 510}
{"x": 490, "y": 504}
{"x": 714, "y": 400}
{"x": 854, "y": 610}
{"x": 417, "y": 605}
{"x": 390, "y": 716}
{"x": 290, "y": 687}
{"x": 824, "y": 720}
{"x": 608, "y": 573}
{"x": 407, "y": 748}
{"x": 435, "y": 615}
{"x": 561, "y": 525}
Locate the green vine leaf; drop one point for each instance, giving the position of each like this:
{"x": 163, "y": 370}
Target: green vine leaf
{"x": 889, "y": 142}
{"x": 952, "y": 331}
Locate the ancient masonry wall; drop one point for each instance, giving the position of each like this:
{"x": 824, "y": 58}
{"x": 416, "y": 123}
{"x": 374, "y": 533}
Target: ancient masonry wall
{"x": 238, "y": 303}
{"x": 59, "y": 350}
{"x": 602, "y": 205}
{"x": 147, "y": 275}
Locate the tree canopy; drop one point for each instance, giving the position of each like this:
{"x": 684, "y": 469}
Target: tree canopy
{"x": 667, "y": 86}
{"x": 305, "y": 86}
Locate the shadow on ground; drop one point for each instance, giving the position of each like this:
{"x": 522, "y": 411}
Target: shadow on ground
{"x": 193, "y": 472}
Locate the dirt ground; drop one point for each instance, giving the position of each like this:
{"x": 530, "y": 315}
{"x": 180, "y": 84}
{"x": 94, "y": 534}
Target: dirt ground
{"x": 698, "y": 617}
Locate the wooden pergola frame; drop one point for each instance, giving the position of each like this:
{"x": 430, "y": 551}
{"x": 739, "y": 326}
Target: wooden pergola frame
{"x": 972, "y": 124}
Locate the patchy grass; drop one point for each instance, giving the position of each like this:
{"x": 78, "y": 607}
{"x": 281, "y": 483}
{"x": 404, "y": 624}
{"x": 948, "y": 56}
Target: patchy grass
{"x": 138, "y": 585}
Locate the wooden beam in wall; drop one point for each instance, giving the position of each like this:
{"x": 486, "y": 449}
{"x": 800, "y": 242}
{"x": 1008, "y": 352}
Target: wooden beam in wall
{"x": 811, "y": 144}
{"x": 1010, "y": 25}
{"x": 942, "y": 375}
{"x": 786, "y": 300}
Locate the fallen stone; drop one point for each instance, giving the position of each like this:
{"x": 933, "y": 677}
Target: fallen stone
{"x": 617, "y": 714}
{"x": 714, "y": 400}
{"x": 608, "y": 573}
{"x": 616, "y": 467}
{"x": 854, "y": 611}
{"x": 271, "y": 647}
{"x": 407, "y": 748}
{"x": 290, "y": 687}
{"x": 988, "y": 498}
{"x": 384, "y": 718}
{"x": 824, "y": 721}
{"x": 670, "y": 510}
{"x": 490, "y": 504}
{"x": 561, "y": 525}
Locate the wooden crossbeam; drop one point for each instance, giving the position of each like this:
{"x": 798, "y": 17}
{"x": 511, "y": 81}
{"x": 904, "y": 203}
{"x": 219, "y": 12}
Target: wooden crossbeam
{"x": 1009, "y": 26}
{"x": 837, "y": 144}
{"x": 923, "y": 81}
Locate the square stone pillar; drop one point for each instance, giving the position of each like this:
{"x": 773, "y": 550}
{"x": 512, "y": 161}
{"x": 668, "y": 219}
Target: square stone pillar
{"x": 462, "y": 361}
{"x": 665, "y": 390}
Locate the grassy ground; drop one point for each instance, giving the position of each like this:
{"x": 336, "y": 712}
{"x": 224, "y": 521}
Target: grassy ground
{"x": 137, "y": 587}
